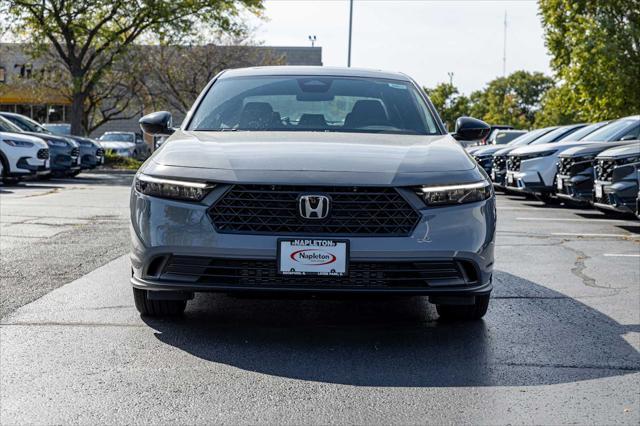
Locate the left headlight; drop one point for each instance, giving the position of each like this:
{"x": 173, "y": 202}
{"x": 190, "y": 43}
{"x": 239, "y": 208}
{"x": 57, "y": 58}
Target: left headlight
{"x": 173, "y": 189}
{"x": 21, "y": 144}
{"x": 456, "y": 194}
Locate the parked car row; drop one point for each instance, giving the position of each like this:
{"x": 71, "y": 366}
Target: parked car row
{"x": 581, "y": 164}
{"x": 28, "y": 148}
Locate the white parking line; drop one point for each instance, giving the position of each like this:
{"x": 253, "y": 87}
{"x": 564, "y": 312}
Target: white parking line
{"x": 620, "y": 255}
{"x": 594, "y": 221}
{"x": 572, "y": 234}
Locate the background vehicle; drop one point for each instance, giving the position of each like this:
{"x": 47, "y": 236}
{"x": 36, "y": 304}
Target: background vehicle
{"x": 269, "y": 177}
{"x": 574, "y": 180}
{"x": 533, "y": 169}
{"x": 616, "y": 179}
{"x": 64, "y": 153}
{"x": 125, "y": 144}
{"x": 494, "y": 158}
{"x": 91, "y": 152}
{"x": 499, "y": 137}
{"x": 20, "y": 154}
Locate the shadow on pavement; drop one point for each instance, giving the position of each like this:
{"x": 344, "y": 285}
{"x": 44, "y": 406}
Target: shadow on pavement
{"x": 531, "y": 336}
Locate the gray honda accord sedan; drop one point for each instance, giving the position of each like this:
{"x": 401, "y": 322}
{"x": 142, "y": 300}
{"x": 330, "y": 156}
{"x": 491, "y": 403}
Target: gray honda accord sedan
{"x": 312, "y": 180}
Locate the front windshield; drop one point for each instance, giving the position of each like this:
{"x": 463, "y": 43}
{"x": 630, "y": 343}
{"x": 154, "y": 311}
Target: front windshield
{"x": 27, "y": 124}
{"x": 117, "y": 137}
{"x": 553, "y": 136}
{"x": 582, "y": 133}
{"x": 7, "y": 126}
{"x": 529, "y": 137}
{"x": 503, "y": 138}
{"x": 314, "y": 104}
{"x": 611, "y": 130}
{"x": 59, "y": 129}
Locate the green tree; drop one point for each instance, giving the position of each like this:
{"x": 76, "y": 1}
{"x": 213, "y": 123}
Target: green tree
{"x": 449, "y": 103}
{"x": 88, "y": 36}
{"x": 595, "y": 46}
{"x": 513, "y": 100}
{"x": 559, "y": 107}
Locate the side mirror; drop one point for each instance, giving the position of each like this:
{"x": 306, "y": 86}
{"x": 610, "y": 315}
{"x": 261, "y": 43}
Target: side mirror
{"x": 157, "y": 123}
{"x": 471, "y": 129}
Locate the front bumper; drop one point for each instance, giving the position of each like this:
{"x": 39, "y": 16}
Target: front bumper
{"x": 31, "y": 166}
{"x": 164, "y": 229}
{"x": 577, "y": 189}
{"x": 620, "y": 197}
{"x": 529, "y": 182}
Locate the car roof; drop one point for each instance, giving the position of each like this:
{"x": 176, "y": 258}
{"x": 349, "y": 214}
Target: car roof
{"x": 313, "y": 71}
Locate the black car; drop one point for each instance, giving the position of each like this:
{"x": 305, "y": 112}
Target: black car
{"x": 616, "y": 179}
{"x": 574, "y": 180}
{"x": 64, "y": 152}
{"x": 91, "y": 152}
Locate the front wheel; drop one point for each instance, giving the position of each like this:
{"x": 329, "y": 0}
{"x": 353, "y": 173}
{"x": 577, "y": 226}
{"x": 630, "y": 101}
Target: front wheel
{"x": 157, "y": 308}
{"x": 465, "y": 312}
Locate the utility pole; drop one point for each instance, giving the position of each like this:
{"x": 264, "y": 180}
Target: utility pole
{"x": 350, "y": 25}
{"x": 313, "y": 39}
{"x": 450, "y": 74}
{"x": 504, "y": 47}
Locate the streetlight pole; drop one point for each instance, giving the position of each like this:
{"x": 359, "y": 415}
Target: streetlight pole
{"x": 350, "y": 26}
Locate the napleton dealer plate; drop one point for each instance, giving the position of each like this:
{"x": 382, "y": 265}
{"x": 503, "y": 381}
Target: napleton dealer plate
{"x": 313, "y": 257}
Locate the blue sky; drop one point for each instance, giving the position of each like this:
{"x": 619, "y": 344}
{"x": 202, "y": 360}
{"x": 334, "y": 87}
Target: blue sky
{"x": 423, "y": 38}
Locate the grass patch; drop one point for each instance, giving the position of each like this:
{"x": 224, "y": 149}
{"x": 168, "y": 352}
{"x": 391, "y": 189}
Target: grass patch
{"x": 112, "y": 161}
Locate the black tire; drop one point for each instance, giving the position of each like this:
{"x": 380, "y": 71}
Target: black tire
{"x": 464, "y": 312}
{"x": 548, "y": 199}
{"x": 157, "y": 308}
{"x": 75, "y": 173}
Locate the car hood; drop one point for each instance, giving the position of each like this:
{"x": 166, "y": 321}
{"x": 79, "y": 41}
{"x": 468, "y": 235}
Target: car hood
{"x": 557, "y": 146}
{"x": 488, "y": 150}
{"x": 592, "y": 148}
{"x": 311, "y": 156}
{"x": 49, "y": 137}
{"x": 117, "y": 145}
{"x": 24, "y": 138}
{"x": 622, "y": 151}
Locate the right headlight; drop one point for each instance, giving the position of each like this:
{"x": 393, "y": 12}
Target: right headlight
{"x": 456, "y": 194}
{"x": 173, "y": 189}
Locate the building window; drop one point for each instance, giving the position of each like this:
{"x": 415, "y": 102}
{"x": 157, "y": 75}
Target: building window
{"x": 3, "y": 75}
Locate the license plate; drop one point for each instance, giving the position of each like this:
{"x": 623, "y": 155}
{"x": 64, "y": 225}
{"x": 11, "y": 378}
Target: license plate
{"x": 559, "y": 184}
{"x": 510, "y": 179}
{"x": 598, "y": 191}
{"x": 313, "y": 257}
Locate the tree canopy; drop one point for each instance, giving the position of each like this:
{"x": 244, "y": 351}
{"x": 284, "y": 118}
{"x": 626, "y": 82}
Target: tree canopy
{"x": 595, "y": 47}
{"x": 88, "y": 36}
{"x": 514, "y": 100}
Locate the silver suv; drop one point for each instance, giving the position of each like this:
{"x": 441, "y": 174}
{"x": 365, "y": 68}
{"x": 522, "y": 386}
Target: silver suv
{"x": 312, "y": 180}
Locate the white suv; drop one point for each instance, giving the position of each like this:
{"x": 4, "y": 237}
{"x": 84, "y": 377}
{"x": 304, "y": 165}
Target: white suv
{"x": 532, "y": 169}
{"x": 22, "y": 155}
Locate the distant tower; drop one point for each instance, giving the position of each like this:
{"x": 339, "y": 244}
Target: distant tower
{"x": 504, "y": 47}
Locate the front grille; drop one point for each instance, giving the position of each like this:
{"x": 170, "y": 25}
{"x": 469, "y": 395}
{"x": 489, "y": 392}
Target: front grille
{"x": 43, "y": 153}
{"x": 564, "y": 166}
{"x": 75, "y": 152}
{"x": 513, "y": 163}
{"x": 263, "y": 273}
{"x": 499, "y": 163}
{"x": 99, "y": 152}
{"x": 604, "y": 169}
{"x": 273, "y": 209}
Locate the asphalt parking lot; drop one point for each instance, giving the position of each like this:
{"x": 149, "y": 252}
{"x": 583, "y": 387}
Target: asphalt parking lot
{"x": 560, "y": 343}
